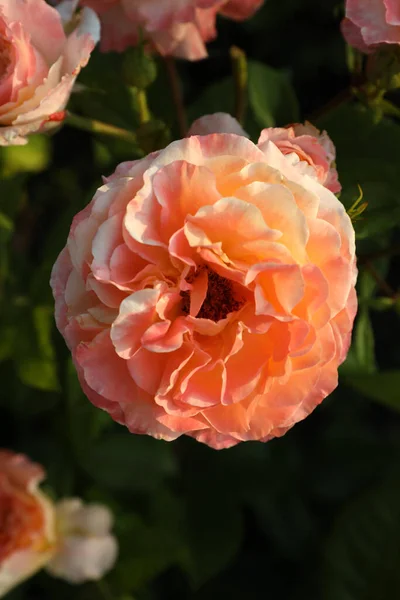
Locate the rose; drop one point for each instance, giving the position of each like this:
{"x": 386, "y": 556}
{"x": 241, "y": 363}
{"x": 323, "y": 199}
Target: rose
{"x": 368, "y": 24}
{"x": 307, "y": 144}
{"x": 86, "y": 549}
{"x": 173, "y": 28}
{"x": 39, "y": 64}
{"x": 71, "y": 540}
{"x": 208, "y": 290}
{"x": 27, "y": 531}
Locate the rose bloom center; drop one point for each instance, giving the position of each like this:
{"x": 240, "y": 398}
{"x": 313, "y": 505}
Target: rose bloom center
{"x": 221, "y": 298}
{"x": 21, "y": 519}
{"x": 5, "y": 56}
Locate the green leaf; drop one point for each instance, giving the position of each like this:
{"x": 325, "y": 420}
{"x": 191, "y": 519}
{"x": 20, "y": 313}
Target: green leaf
{"x": 39, "y": 373}
{"x": 215, "y": 530}
{"x": 271, "y": 96}
{"x": 364, "y": 343}
{"x": 367, "y": 155}
{"x": 123, "y": 461}
{"x": 361, "y": 357}
{"x": 86, "y": 422}
{"x": 217, "y": 97}
{"x": 214, "y": 522}
{"x": 6, "y": 223}
{"x": 34, "y": 157}
{"x": 149, "y": 546}
{"x": 34, "y": 354}
{"x": 381, "y": 387}
{"x": 363, "y": 553}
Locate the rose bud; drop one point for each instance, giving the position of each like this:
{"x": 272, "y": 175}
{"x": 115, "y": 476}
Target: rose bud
{"x": 305, "y": 143}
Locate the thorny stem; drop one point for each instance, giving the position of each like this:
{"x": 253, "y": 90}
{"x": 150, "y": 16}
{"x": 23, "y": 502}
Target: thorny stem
{"x": 176, "y": 93}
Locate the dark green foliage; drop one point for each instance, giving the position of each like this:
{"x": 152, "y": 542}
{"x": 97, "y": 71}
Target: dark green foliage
{"x": 313, "y": 515}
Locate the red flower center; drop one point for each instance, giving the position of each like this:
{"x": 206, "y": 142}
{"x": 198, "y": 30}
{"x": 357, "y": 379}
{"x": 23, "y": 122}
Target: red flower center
{"x": 221, "y": 298}
{"x": 21, "y": 520}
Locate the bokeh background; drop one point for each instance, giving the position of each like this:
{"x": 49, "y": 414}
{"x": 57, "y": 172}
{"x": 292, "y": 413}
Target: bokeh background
{"x": 315, "y": 514}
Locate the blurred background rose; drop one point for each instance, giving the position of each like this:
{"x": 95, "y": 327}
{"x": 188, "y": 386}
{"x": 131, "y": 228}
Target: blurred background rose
{"x": 314, "y": 514}
{"x": 369, "y": 24}
{"x": 27, "y": 523}
{"x": 39, "y": 65}
{"x": 173, "y": 28}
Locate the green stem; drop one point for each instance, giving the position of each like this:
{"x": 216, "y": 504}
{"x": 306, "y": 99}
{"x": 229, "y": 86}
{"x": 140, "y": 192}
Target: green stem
{"x": 390, "y": 109}
{"x": 177, "y": 97}
{"x": 240, "y": 77}
{"x": 94, "y": 126}
{"x": 142, "y": 106}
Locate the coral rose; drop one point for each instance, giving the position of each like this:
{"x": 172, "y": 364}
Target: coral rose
{"x": 38, "y": 64}
{"x": 173, "y": 28}
{"x": 86, "y": 550}
{"x": 27, "y": 531}
{"x": 368, "y": 24}
{"x": 307, "y": 144}
{"x": 208, "y": 290}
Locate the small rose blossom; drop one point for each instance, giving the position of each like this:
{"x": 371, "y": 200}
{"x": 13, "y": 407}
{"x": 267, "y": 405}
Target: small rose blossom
{"x": 173, "y": 28}
{"x": 370, "y": 23}
{"x": 208, "y": 290}
{"x": 311, "y": 147}
{"x": 39, "y": 64}
{"x": 86, "y": 549}
{"x": 27, "y": 527}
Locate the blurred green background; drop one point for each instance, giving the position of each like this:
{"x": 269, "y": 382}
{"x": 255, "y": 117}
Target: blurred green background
{"x": 315, "y": 514}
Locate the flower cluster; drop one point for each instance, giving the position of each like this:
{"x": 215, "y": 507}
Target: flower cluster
{"x": 173, "y": 28}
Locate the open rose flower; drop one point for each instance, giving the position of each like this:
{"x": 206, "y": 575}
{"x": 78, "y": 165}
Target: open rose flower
{"x": 27, "y": 529}
{"x": 208, "y": 290}
{"x": 86, "y": 549}
{"x": 305, "y": 143}
{"x": 368, "y": 24}
{"x": 172, "y": 28}
{"x": 39, "y": 64}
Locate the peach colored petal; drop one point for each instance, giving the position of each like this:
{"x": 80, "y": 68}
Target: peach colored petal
{"x": 137, "y": 313}
{"x": 180, "y": 189}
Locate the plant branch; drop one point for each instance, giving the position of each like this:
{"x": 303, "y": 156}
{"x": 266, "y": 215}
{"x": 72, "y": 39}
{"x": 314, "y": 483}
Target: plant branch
{"x": 176, "y": 93}
{"x": 94, "y": 126}
{"x": 240, "y": 77}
